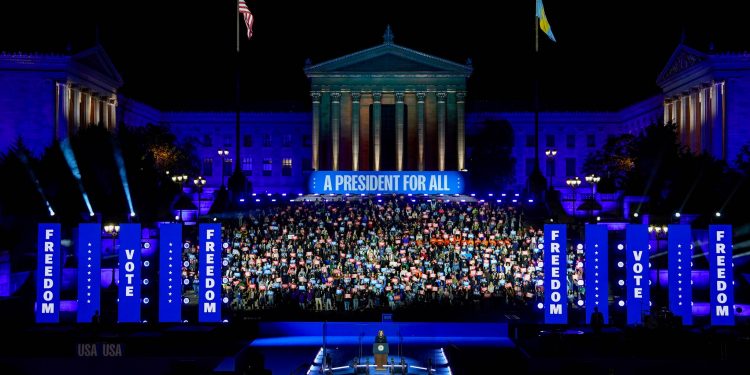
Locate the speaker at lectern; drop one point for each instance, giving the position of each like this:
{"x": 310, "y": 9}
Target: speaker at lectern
{"x": 380, "y": 351}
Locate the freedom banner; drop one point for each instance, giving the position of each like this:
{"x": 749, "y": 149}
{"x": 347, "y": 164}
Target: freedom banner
{"x": 680, "y": 289}
{"x": 636, "y": 254}
{"x": 596, "y": 271}
{"x": 48, "y": 274}
{"x": 89, "y": 270}
{"x": 209, "y": 265}
{"x": 170, "y": 275}
{"x": 555, "y": 276}
{"x": 385, "y": 182}
{"x": 721, "y": 275}
{"x": 129, "y": 289}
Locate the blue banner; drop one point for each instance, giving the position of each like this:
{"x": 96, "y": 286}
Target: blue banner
{"x": 209, "y": 273}
{"x": 721, "y": 274}
{"x": 636, "y": 254}
{"x": 596, "y": 271}
{"x": 48, "y": 274}
{"x": 680, "y": 270}
{"x": 170, "y": 273}
{"x": 386, "y": 182}
{"x": 89, "y": 270}
{"x": 555, "y": 275}
{"x": 129, "y": 289}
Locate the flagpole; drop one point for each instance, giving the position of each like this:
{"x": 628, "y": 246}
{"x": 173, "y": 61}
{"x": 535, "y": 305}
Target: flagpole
{"x": 535, "y": 180}
{"x": 237, "y": 184}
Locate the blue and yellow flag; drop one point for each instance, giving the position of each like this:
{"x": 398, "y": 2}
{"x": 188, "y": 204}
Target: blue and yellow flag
{"x": 543, "y": 23}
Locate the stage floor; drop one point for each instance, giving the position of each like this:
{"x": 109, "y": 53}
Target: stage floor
{"x": 299, "y": 347}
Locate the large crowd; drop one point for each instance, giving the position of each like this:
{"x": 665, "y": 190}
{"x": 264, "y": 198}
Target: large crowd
{"x": 382, "y": 253}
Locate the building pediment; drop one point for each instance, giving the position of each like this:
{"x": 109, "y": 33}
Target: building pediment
{"x": 388, "y": 58}
{"x": 97, "y": 60}
{"x": 683, "y": 59}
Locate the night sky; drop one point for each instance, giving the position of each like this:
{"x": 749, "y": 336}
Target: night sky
{"x": 181, "y": 55}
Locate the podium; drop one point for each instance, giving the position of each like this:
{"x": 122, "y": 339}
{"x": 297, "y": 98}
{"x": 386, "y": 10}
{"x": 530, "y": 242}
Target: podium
{"x": 380, "y": 352}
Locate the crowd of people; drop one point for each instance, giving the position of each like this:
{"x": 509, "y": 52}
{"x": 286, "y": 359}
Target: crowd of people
{"x": 382, "y": 253}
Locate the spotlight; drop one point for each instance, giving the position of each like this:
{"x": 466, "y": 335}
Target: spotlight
{"x": 718, "y": 214}
{"x": 677, "y": 215}
{"x": 51, "y": 213}
{"x": 91, "y": 213}
{"x": 132, "y": 214}
{"x": 635, "y": 214}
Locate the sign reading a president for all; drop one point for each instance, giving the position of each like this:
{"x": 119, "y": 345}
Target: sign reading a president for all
{"x": 385, "y": 182}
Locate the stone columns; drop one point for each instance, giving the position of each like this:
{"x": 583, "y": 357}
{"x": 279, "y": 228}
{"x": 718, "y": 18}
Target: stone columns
{"x": 376, "y": 97}
{"x": 105, "y": 112}
{"x": 315, "y": 129}
{"x": 335, "y": 128}
{"x": 113, "y": 114}
{"x": 399, "y": 131}
{"x": 441, "y": 129}
{"x": 355, "y": 130}
{"x": 460, "y": 131}
{"x": 420, "y": 130}
{"x": 705, "y": 133}
{"x": 694, "y": 122}
{"x": 76, "y": 108}
{"x": 683, "y": 125}
{"x": 717, "y": 120}
{"x": 667, "y": 107}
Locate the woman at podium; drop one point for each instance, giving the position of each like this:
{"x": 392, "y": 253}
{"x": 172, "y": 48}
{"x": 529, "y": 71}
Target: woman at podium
{"x": 380, "y": 350}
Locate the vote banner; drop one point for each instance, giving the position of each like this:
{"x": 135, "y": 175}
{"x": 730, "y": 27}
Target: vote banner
{"x": 679, "y": 264}
{"x": 637, "y": 283}
{"x": 170, "y": 275}
{"x": 48, "y": 273}
{"x": 596, "y": 271}
{"x": 555, "y": 276}
{"x": 386, "y": 182}
{"x": 129, "y": 288}
{"x": 89, "y": 252}
{"x": 721, "y": 275}
{"x": 209, "y": 266}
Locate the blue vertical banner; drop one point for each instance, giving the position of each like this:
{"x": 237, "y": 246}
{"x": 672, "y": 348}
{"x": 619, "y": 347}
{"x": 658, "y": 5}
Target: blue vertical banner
{"x": 170, "y": 275}
{"x": 209, "y": 273}
{"x": 679, "y": 265}
{"x": 89, "y": 270}
{"x": 48, "y": 273}
{"x": 129, "y": 289}
{"x": 638, "y": 289}
{"x": 721, "y": 275}
{"x": 555, "y": 275}
{"x": 596, "y": 271}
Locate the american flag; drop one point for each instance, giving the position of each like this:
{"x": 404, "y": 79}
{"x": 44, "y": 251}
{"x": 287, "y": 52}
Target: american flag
{"x": 245, "y": 11}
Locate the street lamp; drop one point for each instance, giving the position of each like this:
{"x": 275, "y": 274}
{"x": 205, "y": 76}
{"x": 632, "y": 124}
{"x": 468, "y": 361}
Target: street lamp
{"x": 574, "y": 183}
{"x": 551, "y": 153}
{"x": 199, "y": 183}
{"x": 593, "y": 180}
{"x": 659, "y": 232}
{"x": 112, "y": 230}
{"x": 223, "y": 153}
{"x": 181, "y": 180}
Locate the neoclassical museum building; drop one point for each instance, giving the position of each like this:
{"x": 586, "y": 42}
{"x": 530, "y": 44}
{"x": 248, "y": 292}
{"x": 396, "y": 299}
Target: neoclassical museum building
{"x": 385, "y": 108}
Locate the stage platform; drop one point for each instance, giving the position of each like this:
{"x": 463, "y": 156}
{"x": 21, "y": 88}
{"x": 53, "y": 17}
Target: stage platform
{"x": 299, "y": 347}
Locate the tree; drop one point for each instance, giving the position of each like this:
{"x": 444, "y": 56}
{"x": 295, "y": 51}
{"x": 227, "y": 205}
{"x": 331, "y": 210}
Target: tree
{"x": 491, "y": 166}
{"x": 613, "y": 162}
